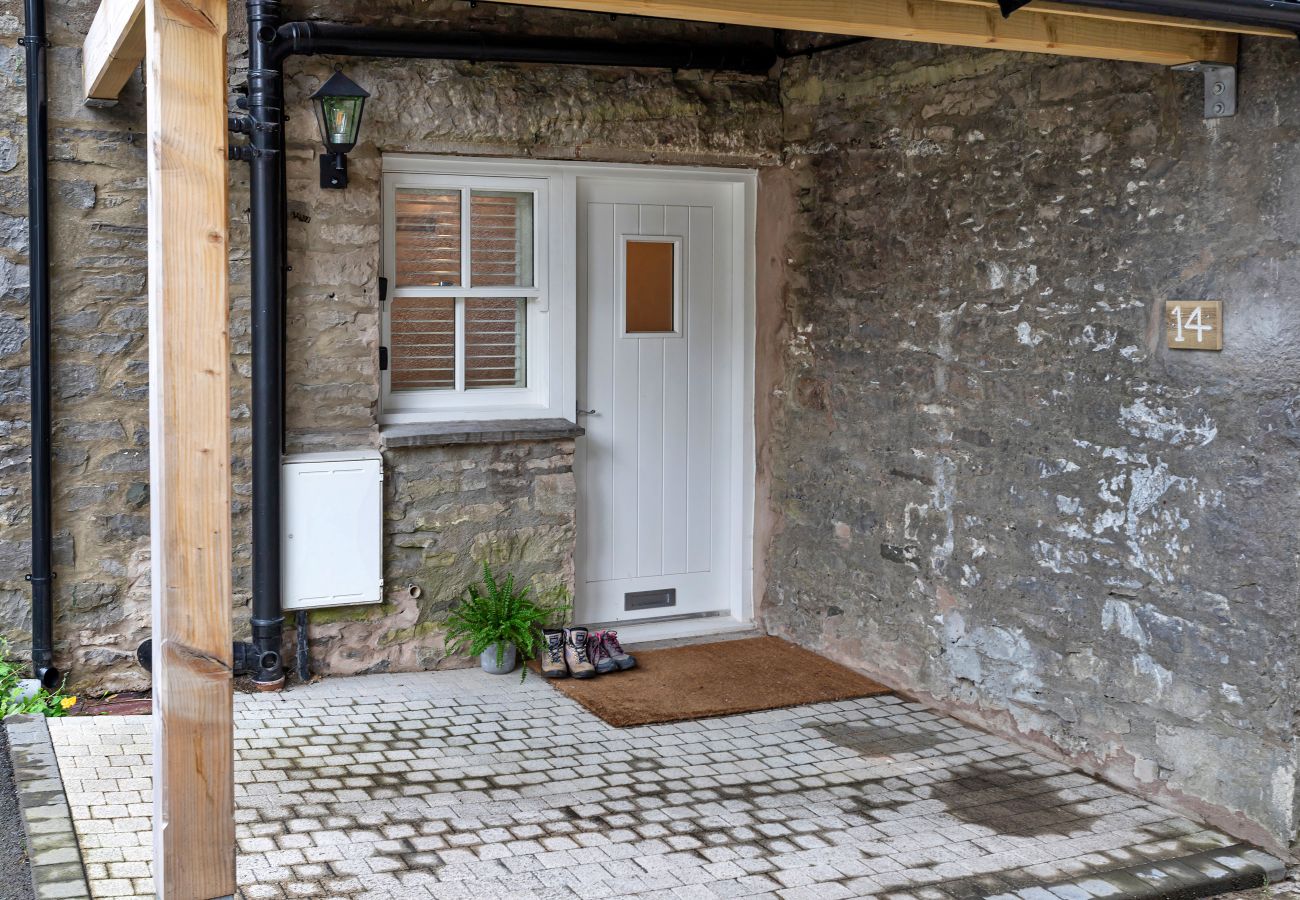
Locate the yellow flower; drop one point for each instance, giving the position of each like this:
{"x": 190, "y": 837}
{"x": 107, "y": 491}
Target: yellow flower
{"x": 68, "y": 702}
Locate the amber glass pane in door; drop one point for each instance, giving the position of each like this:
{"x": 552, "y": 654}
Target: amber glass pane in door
{"x": 650, "y": 287}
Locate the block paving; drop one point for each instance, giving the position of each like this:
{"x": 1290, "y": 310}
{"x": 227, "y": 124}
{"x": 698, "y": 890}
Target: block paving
{"x": 464, "y": 785}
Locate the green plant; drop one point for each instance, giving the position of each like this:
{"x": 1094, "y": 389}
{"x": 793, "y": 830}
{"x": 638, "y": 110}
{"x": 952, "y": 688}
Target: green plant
{"x": 14, "y": 700}
{"x": 496, "y": 612}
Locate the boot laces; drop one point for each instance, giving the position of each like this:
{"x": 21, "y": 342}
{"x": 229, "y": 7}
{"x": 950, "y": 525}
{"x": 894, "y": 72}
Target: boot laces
{"x": 580, "y": 648}
{"x": 556, "y": 649}
{"x": 612, "y": 646}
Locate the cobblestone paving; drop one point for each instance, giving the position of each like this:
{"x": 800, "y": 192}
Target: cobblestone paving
{"x": 464, "y": 785}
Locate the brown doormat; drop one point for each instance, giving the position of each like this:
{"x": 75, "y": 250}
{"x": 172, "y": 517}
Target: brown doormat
{"x": 719, "y": 679}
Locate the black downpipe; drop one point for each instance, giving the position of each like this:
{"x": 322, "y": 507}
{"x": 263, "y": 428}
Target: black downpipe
{"x": 266, "y": 226}
{"x": 38, "y": 224}
{"x": 333, "y": 39}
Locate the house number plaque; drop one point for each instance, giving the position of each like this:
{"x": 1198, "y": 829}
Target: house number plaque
{"x": 1194, "y": 324}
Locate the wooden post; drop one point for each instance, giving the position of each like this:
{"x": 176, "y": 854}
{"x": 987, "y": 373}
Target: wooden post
{"x": 189, "y": 441}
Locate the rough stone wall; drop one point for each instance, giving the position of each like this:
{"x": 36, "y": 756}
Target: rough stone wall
{"x": 100, "y": 312}
{"x": 990, "y": 482}
{"x": 101, "y": 490}
{"x": 449, "y": 509}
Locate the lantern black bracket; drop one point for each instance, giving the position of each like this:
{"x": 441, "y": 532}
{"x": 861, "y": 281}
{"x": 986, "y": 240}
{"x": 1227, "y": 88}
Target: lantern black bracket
{"x": 334, "y": 171}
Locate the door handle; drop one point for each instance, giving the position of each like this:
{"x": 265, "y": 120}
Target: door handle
{"x": 587, "y": 412}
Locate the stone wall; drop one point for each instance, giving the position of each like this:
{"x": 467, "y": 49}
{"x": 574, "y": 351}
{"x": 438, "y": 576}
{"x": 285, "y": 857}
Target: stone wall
{"x": 989, "y": 481}
{"x": 447, "y": 510}
{"x": 511, "y": 504}
{"x": 101, "y": 457}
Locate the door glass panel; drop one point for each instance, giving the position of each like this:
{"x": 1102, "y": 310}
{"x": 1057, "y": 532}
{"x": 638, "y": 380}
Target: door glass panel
{"x": 501, "y": 239}
{"x": 650, "y": 287}
{"x": 427, "y": 242}
{"x": 422, "y": 337}
{"x": 494, "y": 342}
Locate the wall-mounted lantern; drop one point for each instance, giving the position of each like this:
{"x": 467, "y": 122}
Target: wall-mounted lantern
{"x": 339, "y": 104}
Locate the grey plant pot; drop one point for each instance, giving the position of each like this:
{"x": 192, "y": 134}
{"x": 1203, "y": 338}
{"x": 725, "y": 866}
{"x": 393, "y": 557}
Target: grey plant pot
{"x": 488, "y": 659}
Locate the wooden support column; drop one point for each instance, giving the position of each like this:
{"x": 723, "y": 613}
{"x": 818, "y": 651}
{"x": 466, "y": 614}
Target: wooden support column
{"x": 189, "y": 449}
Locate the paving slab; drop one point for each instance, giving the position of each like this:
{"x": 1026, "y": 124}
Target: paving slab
{"x": 461, "y": 784}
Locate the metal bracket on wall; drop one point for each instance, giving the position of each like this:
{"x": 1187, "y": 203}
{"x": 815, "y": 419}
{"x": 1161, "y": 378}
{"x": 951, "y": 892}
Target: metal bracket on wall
{"x": 1220, "y": 88}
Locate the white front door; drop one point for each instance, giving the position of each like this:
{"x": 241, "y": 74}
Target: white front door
{"x": 659, "y": 318}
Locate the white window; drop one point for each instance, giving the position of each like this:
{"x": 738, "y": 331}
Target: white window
{"x": 479, "y": 299}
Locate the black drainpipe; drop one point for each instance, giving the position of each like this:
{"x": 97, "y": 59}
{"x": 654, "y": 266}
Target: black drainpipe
{"x": 333, "y": 39}
{"x": 38, "y": 210}
{"x": 264, "y": 153}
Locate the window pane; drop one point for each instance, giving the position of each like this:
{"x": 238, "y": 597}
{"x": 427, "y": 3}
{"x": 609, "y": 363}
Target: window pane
{"x": 501, "y": 239}
{"x": 428, "y": 238}
{"x": 650, "y": 287}
{"x": 422, "y": 337}
{"x": 494, "y": 342}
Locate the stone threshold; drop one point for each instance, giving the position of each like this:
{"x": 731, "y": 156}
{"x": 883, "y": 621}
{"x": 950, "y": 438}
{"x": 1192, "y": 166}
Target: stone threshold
{"x": 502, "y": 431}
{"x": 52, "y": 848}
{"x": 1238, "y": 867}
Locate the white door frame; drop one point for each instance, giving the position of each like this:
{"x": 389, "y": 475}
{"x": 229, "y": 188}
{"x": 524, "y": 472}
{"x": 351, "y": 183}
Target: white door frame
{"x": 742, "y": 190}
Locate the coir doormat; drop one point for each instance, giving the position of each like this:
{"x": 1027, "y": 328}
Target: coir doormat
{"x": 718, "y": 679}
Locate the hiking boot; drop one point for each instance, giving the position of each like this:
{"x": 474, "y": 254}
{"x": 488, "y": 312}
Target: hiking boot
{"x": 575, "y": 653}
{"x": 598, "y": 655}
{"x": 614, "y": 652}
{"x": 553, "y": 654}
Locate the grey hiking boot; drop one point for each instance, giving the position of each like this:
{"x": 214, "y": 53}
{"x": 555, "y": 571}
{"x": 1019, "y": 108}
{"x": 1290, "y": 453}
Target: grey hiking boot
{"x": 575, "y": 653}
{"x": 599, "y": 656}
{"x": 553, "y": 654}
{"x": 614, "y": 651}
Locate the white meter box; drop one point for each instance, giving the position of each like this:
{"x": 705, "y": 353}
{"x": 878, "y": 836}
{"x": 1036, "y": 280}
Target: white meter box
{"x": 332, "y": 508}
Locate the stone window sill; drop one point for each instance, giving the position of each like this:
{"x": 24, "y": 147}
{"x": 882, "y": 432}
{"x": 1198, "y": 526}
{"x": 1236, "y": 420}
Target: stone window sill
{"x": 504, "y": 431}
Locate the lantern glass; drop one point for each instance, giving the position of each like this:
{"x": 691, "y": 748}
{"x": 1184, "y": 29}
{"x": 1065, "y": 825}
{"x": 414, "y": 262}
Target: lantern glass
{"x": 339, "y": 104}
{"x": 340, "y": 120}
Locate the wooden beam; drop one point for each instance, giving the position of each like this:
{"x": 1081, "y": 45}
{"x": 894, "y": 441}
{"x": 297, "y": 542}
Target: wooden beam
{"x": 1138, "y": 18}
{"x": 114, "y": 47}
{"x": 943, "y": 22}
{"x": 189, "y": 449}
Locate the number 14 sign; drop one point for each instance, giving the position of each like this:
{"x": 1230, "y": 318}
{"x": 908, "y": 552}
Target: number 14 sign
{"x": 1194, "y": 324}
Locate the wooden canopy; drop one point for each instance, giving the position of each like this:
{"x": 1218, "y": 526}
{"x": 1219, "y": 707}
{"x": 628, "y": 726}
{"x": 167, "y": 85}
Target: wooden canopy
{"x": 116, "y": 44}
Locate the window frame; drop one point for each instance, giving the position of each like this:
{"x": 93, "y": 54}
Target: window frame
{"x": 550, "y": 304}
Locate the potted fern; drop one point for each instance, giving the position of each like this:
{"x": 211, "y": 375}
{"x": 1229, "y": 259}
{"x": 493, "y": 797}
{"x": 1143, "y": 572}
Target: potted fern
{"x": 497, "y": 621}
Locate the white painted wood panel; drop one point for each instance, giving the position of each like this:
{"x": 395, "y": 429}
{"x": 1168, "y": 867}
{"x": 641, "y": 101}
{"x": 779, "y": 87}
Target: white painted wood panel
{"x": 676, "y": 432}
{"x": 653, "y": 478}
{"x": 703, "y": 410}
{"x": 618, "y": 428}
